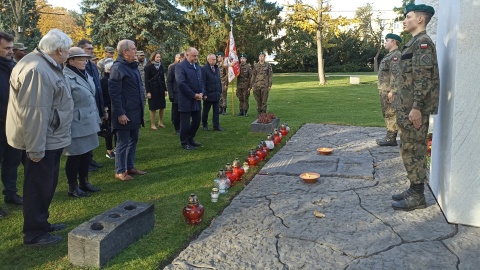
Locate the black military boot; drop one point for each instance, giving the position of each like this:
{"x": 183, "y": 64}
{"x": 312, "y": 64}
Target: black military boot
{"x": 86, "y": 186}
{"x": 401, "y": 196}
{"x": 241, "y": 113}
{"x": 389, "y": 140}
{"x": 245, "y": 113}
{"x": 414, "y": 200}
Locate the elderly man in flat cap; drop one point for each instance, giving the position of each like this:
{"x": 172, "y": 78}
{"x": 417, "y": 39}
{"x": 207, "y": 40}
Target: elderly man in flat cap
{"x": 19, "y": 51}
{"x": 388, "y": 74}
{"x": 416, "y": 98}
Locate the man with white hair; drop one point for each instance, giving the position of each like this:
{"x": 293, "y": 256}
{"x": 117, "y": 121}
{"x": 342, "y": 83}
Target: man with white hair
{"x": 39, "y": 117}
{"x": 127, "y": 97}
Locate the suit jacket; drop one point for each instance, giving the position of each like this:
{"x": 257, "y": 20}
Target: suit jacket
{"x": 172, "y": 86}
{"x": 189, "y": 81}
{"x": 213, "y": 84}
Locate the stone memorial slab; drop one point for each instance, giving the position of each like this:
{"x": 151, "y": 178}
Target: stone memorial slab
{"x": 266, "y": 128}
{"x": 98, "y": 240}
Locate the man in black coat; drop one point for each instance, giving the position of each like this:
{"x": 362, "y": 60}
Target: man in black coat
{"x": 213, "y": 91}
{"x": 188, "y": 76}
{"x": 127, "y": 96}
{"x": 172, "y": 89}
{"x": 9, "y": 156}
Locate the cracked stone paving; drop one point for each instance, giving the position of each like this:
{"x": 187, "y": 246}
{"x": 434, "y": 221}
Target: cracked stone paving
{"x": 271, "y": 225}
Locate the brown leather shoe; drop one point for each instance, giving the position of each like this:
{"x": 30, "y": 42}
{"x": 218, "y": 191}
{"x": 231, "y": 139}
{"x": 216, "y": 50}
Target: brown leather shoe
{"x": 134, "y": 171}
{"x": 123, "y": 176}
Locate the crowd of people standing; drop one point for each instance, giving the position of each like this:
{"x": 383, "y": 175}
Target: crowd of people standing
{"x": 57, "y": 100}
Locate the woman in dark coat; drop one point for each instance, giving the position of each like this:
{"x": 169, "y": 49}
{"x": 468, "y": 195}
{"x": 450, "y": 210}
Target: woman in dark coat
{"x": 156, "y": 89}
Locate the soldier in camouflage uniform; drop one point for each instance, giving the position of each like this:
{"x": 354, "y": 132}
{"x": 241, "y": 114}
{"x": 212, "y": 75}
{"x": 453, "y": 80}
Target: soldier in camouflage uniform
{"x": 243, "y": 85}
{"x": 416, "y": 98}
{"x": 224, "y": 80}
{"x": 142, "y": 62}
{"x": 109, "y": 51}
{"x": 387, "y": 77}
{"x": 261, "y": 82}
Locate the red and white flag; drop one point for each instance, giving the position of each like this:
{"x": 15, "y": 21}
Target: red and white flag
{"x": 231, "y": 59}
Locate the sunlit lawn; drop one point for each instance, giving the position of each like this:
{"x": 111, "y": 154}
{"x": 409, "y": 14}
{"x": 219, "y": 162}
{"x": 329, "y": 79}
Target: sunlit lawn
{"x": 174, "y": 173}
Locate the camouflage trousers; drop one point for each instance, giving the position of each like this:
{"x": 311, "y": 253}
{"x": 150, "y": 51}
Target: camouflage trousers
{"x": 389, "y": 114}
{"x": 413, "y": 147}
{"x": 223, "y": 96}
{"x": 261, "y": 96}
{"x": 243, "y": 94}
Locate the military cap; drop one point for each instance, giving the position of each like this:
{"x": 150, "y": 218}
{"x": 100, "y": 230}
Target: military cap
{"x": 393, "y": 36}
{"x": 261, "y": 53}
{"x": 109, "y": 49}
{"x": 94, "y": 57}
{"x": 220, "y": 54}
{"x": 19, "y": 46}
{"x": 421, "y": 7}
{"x": 140, "y": 53}
{"x": 77, "y": 52}
{"x": 244, "y": 55}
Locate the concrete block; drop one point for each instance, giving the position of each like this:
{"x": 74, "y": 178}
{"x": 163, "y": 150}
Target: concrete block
{"x": 98, "y": 240}
{"x": 354, "y": 80}
{"x": 267, "y": 128}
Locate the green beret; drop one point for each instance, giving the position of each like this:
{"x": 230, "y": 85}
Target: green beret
{"x": 261, "y": 53}
{"x": 421, "y": 8}
{"x": 393, "y": 36}
{"x": 109, "y": 49}
{"x": 243, "y": 55}
{"x": 220, "y": 53}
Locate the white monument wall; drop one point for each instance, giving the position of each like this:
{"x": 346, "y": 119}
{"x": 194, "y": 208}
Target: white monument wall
{"x": 455, "y": 170}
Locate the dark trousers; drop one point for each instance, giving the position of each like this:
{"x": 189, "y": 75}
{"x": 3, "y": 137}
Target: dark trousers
{"x": 126, "y": 147}
{"x": 188, "y": 129}
{"x": 10, "y": 160}
{"x": 109, "y": 141}
{"x": 41, "y": 179}
{"x": 175, "y": 116}
{"x": 77, "y": 165}
{"x": 216, "y": 112}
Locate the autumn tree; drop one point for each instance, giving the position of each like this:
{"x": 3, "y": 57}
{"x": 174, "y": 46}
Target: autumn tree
{"x": 317, "y": 22}
{"x": 371, "y": 29}
{"x": 19, "y": 17}
{"x": 155, "y": 24}
{"x": 50, "y": 16}
{"x": 255, "y": 25}
{"x": 406, "y": 36}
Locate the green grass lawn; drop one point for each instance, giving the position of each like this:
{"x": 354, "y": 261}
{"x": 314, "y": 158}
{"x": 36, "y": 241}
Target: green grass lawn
{"x": 174, "y": 173}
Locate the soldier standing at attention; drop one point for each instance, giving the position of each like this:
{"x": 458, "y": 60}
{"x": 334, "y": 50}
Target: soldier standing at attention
{"x": 243, "y": 85}
{"x": 224, "y": 79}
{"x": 387, "y": 77}
{"x": 142, "y": 62}
{"x": 416, "y": 98}
{"x": 261, "y": 82}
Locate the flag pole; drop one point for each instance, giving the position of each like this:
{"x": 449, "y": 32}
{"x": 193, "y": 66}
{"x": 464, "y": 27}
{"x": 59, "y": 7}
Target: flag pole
{"x": 233, "y": 82}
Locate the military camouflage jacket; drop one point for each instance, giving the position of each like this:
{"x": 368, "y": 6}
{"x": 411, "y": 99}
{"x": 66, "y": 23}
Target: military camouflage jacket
{"x": 243, "y": 79}
{"x": 419, "y": 83}
{"x": 388, "y": 72}
{"x": 223, "y": 75}
{"x": 262, "y": 75}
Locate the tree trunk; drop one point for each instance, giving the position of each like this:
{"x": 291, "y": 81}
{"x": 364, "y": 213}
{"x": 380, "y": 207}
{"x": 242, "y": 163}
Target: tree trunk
{"x": 321, "y": 71}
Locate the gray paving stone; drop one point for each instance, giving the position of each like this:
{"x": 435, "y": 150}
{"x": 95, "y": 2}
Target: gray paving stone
{"x": 271, "y": 225}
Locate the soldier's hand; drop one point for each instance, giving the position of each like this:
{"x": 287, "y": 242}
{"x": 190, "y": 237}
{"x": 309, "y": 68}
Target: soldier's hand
{"x": 390, "y": 97}
{"x": 415, "y": 116}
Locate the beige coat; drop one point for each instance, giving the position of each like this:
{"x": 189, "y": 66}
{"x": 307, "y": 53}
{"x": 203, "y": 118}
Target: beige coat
{"x": 39, "y": 113}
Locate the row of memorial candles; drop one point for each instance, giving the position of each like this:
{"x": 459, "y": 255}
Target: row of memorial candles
{"x": 232, "y": 173}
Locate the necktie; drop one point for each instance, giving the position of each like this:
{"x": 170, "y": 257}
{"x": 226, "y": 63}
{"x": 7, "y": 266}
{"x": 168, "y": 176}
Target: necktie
{"x": 213, "y": 69}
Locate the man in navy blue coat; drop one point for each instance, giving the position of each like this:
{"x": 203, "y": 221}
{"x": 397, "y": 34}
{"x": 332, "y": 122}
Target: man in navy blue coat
{"x": 188, "y": 76}
{"x": 127, "y": 96}
{"x": 213, "y": 91}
